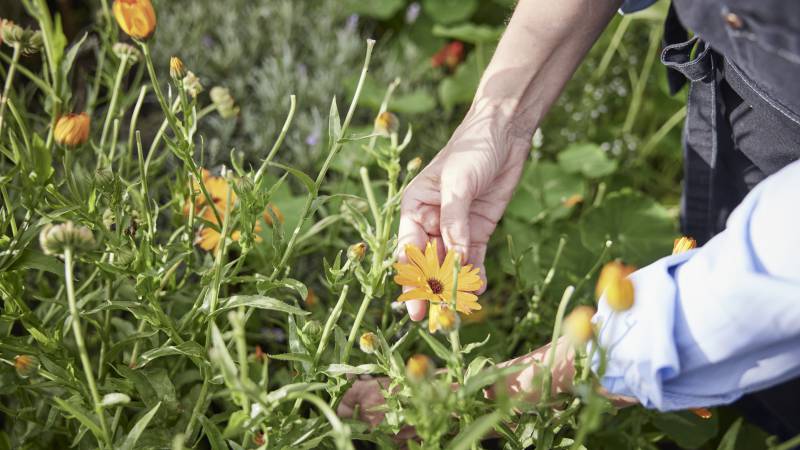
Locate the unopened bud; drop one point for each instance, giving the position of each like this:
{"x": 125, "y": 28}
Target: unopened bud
{"x": 55, "y": 238}
{"x": 419, "y": 367}
{"x": 683, "y": 244}
{"x": 356, "y": 252}
{"x": 313, "y": 330}
{"x": 578, "y": 325}
{"x": 386, "y": 124}
{"x": 176, "y": 69}
{"x": 616, "y": 286}
{"x": 368, "y": 343}
{"x": 443, "y": 318}
{"x": 414, "y": 164}
{"x": 26, "y": 365}
{"x": 72, "y": 130}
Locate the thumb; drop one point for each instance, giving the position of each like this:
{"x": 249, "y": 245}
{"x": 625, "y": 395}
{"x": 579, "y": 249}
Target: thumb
{"x": 454, "y": 217}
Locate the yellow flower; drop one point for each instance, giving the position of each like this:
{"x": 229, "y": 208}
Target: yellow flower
{"x": 683, "y": 244}
{"x": 368, "y": 343}
{"x": 419, "y": 367}
{"x": 176, "y": 69}
{"x": 430, "y": 281}
{"x": 616, "y": 285}
{"x": 356, "y": 252}
{"x": 386, "y": 124}
{"x": 72, "y": 130}
{"x": 443, "y": 318}
{"x": 137, "y": 18}
{"x": 578, "y": 325}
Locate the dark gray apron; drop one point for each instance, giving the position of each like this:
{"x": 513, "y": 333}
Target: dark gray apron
{"x": 742, "y": 125}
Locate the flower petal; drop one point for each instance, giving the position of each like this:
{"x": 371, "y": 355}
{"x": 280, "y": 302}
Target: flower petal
{"x": 414, "y": 294}
{"x": 415, "y": 255}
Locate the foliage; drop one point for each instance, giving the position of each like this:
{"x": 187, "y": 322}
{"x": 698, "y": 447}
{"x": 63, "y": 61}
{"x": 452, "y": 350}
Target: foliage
{"x": 221, "y": 308}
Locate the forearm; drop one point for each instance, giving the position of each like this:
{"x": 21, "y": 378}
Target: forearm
{"x": 542, "y": 46}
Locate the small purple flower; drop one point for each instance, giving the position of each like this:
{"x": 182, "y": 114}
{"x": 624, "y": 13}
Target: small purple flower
{"x": 412, "y": 12}
{"x": 313, "y": 138}
{"x": 352, "y": 23}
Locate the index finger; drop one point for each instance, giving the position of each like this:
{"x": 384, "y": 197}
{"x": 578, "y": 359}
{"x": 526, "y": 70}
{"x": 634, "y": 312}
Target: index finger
{"x": 411, "y": 233}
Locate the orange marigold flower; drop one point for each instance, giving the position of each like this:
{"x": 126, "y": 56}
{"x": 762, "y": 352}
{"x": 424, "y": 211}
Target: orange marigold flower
{"x": 72, "y": 130}
{"x": 137, "y": 18}
{"x": 616, "y": 285}
{"x": 450, "y": 55}
{"x": 433, "y": 282}
{"x": 683, "y": 244}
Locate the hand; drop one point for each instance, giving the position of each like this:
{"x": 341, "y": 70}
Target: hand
{"x": 460, "y": 196}
{"x": 367, "y": 395}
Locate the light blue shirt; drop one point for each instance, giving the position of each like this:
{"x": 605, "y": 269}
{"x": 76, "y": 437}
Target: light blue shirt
{"x": 712, "y": 324}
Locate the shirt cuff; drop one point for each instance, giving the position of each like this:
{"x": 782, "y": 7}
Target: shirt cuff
{"x": 632, "y": 6}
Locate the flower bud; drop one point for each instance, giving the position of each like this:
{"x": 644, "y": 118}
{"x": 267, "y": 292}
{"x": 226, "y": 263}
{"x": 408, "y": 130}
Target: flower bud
{"x": 4, "y": 23}
{"x": 356, "y": 252}
{"x": 223, "y": 101}
{"x": 443, "y": 318}
{"x": 29, "y": 41}
{"x": 192, "y": 84}
{"x": 176, "y": 69}
{"x": 615, "y": 284}
{"x": 683, "y": 244}
{"x": 386, "y": 124}
{"x": 419, "y": 367}
{"x": 123, "y": 50}
{"x": 72, "y": 130}
{"x": 136, "y": 18}
{"x": 313, "y": 330}
{"x": 414, "y": 164}
{"x": 104, "y": 178}
{"x": 26, "y": 365}
{"x": 55, "y": 238}
{"x": 578, "y": 325}
{"x": 368, "y": 343}
{"x": 311, "y": 298}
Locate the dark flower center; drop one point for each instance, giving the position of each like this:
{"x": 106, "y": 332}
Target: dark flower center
{"x": 435, "y": 285}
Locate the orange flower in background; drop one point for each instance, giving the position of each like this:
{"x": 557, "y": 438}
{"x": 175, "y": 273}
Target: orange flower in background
{"x": 450, "y": 55}
{"x": 72, "y": 130}
{"x": 433, "y": 282}
{"x": 615, "y": 284}
{"x": 702, "y": 413}
{"x": 137, "y": 18}
{"x": 683, "y": 244}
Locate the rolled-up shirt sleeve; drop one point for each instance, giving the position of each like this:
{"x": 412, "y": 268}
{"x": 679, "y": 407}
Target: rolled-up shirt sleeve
{"x": 717, "y": 322}
{"x": 631, "y": 6}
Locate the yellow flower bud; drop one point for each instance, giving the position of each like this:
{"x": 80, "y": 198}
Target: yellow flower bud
{"x": 26, "y": 365}
{"x": 414, "y": 164}
{"x": 356, "y": 252}
{"x": 578, "y": 325}
{"x": 72, "y": 130}
{"x": 176, "y": 69}
{"x": 616, "y": 285}
{"x": 386, "y": 124}
{"x": 442, "y": 318}
{"x": 55, "y": 238}
{"x": 137, "y": 18}
{"x": 368, "y": 343}
{"x": 419, "y": 367}
{"x": 683, "y": 244}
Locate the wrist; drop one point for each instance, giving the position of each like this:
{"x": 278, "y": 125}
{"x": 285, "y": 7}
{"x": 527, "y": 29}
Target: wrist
{"x": 510, "y": 128}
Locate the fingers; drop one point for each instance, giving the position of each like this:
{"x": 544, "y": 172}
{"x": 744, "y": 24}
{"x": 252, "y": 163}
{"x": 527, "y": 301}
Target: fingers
{"x": 454, "y": 218}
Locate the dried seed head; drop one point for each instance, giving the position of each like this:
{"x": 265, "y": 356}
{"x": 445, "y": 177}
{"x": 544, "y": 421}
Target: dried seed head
{"x": 368, "y": 343}
{"x": 55, "y": 238}
{"x": 223, "y": 101}
{"x": 122, "y": 49}
{"x": 192, "y": 84}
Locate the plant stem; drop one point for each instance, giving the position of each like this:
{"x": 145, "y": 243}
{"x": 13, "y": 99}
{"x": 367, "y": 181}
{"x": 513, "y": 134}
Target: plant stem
{"x": 279, "y": 141}
{"x": 329, "y": 324}
{"x": 112, "y": 106}
{"x": 84, "y": 354}
{"x": 362, "y": 310}
{"x": 548, "y": 375}
{"x": 9, "y": 78}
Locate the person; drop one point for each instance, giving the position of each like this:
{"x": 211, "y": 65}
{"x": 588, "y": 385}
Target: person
{"x": 711, "y": 326}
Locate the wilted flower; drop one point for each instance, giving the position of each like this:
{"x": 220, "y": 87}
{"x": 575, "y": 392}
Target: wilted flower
{"x": 356, "y": 252}
{"x": 432, "y": 282}
{"x": 29, "y": 41}
{"x": 368, "y": 343}
{"x": 176, "y": 69}
{"x": 386, "y": 124}
{"x": 55, "y": 238}
{"x": 226, "y": 106}
{"x": 137, "y": 18}
{"x": 616, "y": 285}
{"x": 26, "y": 365}
{"x": 450, "y": 55}
{"x": 121, "y": 49}
{"x": 442, "y": 318}
{"x": 72, "y": 130}
{"x": 419, "y": 367}
{"x": 414, "y": 164}
{"x": 192, "y": 84}
{"x": 578, "y": 325}
{"x": 683, "y": 244}
{"x": 311, "y": 298}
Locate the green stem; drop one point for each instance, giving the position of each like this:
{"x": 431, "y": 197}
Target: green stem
{"x": 329, "y": 324}
{"x": 351, "y": 339}
{"x": 548, "y": 375}
{"x": 112, "y": 106}
{"x": 148, "y": 58}
{"x": 281, "y": 137}
{"x": 79, "y": 341}
{"x": 9, "y": 78}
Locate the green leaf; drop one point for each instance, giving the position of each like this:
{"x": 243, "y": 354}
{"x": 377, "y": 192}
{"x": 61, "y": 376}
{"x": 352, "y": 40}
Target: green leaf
{"x": 542, "y": 192}
{"x": 190, "y": 349}
{"x": 488, "y": 376}
{"x": 69, "y": 58}
{"x": 641, "y": 229}
{"x": 587, "y": 159}
{"x": 728, "y": 441}
{"x": 686, "y": 429}
{"x": 300, "y": 175}
{"x": 84, "y": 417}
{"x": 476, "y": 431}
{"x": 114, "y": 399}
{"x": 334, "y": 123}
{"x": 138, "y": 429}
{"x": 379, "y": 9}
{"x": 297, "y": 357}
{"x": 449, "y": 11}
{"x": 460, "y": 87}
{"x": 213, "y": 434}
{"x": 282, "y": 392}
{"x": 437, "y": 347}
{"x": 342, "y": 369}
{"x": 258, "y": 302}
{"x": 469, "y": 32}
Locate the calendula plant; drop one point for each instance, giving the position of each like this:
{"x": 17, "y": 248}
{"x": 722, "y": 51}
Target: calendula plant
{"x": 154, "y": 299}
